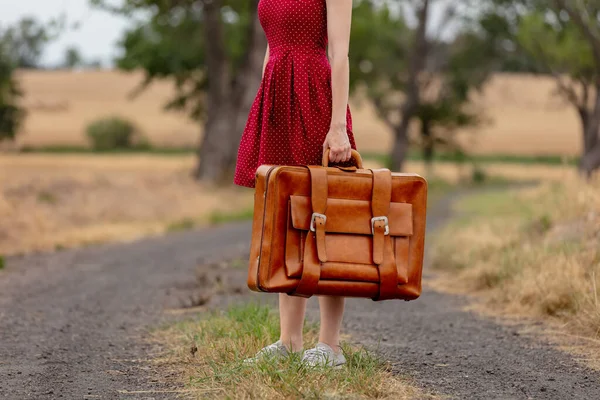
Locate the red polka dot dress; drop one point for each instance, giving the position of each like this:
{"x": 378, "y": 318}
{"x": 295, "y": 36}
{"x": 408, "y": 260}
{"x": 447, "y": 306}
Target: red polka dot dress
{"x": 291, "y": 114}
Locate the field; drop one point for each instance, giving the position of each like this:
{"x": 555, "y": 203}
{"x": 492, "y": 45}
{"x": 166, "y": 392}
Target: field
{"x": 54, "y": 201}
{"x": 530, "y": 252}
{"x": 49, "y": 202}
{"x": 523, "y": 117}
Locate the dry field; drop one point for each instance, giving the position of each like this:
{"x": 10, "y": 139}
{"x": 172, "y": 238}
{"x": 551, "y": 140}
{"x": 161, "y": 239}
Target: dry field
{"x": 531, "y": 252}
{"x": 524, "y": 117}
{"x": 48, "y": 202}
{"x": 53, "y": 201}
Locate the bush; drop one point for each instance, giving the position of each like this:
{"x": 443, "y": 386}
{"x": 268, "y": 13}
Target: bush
{"x": 11, "y": 113}
{"x": 114, "y": 133}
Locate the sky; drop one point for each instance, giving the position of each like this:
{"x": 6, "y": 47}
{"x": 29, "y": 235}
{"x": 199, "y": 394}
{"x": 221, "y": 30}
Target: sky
{"x": 98, "y": 33}
{"x": 96, "y": 37}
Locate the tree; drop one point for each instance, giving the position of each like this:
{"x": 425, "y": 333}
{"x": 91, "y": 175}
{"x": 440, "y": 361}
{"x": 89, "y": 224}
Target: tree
{"x": 411, "y": 75}
{"x": 11, "y": 114}
{"x": 562, "y": 39}
{"x": 73, "y": 58}
{"x": 213, "y": 51}
{"x": 25, "y": 41}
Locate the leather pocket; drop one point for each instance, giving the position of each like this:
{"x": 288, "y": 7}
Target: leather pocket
{"x": 348, "y": 239}
{"x": 294, "y": 247}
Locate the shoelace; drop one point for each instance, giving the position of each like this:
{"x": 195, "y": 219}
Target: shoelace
{"x": 317, "y": 354}
{"x": 271, "y": 349}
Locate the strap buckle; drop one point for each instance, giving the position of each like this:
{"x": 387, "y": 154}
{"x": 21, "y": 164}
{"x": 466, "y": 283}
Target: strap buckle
{"x": 385, "y": 220}
{"x": 315, "y": 216}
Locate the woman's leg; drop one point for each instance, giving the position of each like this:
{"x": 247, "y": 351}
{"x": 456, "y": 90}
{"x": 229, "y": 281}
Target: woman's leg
{"x": 332, "y": 312}
{"x": 291, "y": 314}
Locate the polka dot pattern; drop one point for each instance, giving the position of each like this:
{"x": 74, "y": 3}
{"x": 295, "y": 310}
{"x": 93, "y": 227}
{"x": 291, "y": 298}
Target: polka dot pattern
{"x": 291, "y": 114}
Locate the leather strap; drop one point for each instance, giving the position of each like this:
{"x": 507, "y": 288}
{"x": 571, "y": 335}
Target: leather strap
{"x": 383, "y": 252}
{"x": 311, "y": 269}
{"x": 314, "y": 249}
{"x": 319, "y": 192}
{"x": 380, "y": 208}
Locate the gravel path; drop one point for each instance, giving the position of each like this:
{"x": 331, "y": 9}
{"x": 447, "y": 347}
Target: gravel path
{"x": 72, "y": 324}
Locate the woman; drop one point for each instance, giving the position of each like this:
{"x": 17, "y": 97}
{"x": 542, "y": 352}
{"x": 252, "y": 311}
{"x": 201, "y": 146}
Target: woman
{"x": 301, "y": 109}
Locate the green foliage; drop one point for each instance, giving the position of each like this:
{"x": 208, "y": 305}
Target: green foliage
{"x": 24, "y": 42}
{"x": 378, "y": 49}
{"x": 73, "y": 58}
{"x": 558, "y": 45}
{"x": 11, "y": 114}
{"x": 113, "y": 133}
{"x": 2, "y": 263}
{"x": 478, "y": 175}
{"x": 170, "y": 43}
{"x": 21, "y": 46}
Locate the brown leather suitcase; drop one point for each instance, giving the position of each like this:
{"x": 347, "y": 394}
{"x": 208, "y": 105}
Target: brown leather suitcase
{"x": 353, "y": 232}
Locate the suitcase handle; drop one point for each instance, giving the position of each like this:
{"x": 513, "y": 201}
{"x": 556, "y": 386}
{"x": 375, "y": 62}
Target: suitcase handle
{"x": 355, "y": 156}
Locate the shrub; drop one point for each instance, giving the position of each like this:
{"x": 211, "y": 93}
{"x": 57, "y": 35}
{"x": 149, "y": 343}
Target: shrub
{"x": 11, "y": 113}
{"x": 114, "y": 133}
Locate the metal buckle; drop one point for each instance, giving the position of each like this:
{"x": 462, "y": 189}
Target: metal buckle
{"x": 384, "y": 219}
{"x": 312, "y": 220}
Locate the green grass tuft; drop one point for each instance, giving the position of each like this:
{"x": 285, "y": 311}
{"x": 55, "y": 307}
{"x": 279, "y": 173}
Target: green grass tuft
{"x": 223, "y": 339}
{"x": 46, "y": 197}
{"x": 219, "y": 217}
{"x": 184, "y": 224}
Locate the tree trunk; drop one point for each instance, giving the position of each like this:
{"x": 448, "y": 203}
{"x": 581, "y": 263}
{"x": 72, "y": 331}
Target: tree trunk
{"x": 214, "y": 148}
{"x": 412, "y": 101}
{"x": 427, "y": 138}
{"x": 400, "y": 149}
{"x": 228, "y": 100}
{"x": 590, "y": 160}
{"x": 428, "y": 147}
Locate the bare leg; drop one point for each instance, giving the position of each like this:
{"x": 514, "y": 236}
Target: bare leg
{"x": 291, "y": 314}
{"x": 332, "y": 312}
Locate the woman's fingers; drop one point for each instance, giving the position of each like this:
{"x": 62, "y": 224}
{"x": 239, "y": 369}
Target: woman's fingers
{"x": 340, "y": 154}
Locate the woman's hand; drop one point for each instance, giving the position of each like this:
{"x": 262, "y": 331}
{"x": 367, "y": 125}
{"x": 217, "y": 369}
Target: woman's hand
{"x": 338, "y": 143}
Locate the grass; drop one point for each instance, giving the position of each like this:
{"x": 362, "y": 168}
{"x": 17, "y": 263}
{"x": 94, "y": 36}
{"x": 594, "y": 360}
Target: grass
{"x": 209, "y": 352}
{"x": 49, "y": 200}
{"x": 480, "y": 158}
{"x": 219, "y": 217}
{"x": 184, "y": 224}
{"x": 74, "y": 149}
{"x": 382, "y": 158}
{"x": 533, "y": 252}
{"x": 2, "y": 263}
{"x": 46, "y": 197}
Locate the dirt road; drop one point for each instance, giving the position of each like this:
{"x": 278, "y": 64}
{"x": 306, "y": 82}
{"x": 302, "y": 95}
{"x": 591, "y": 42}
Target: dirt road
{"x": 71, "y": 325}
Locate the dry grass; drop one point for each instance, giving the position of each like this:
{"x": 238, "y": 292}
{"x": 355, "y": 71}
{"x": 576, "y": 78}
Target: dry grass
{"x": 532, "y": 252}
{"x": 49, "y": 202}
{"x": 56, "y": 201}
{"x": 524, "y": 117}
{"x": 208, "y": 353}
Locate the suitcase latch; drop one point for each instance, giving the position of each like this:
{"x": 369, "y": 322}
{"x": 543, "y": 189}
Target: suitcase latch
{"x": 315, "y": 216}
{"x": 385, "y": 220}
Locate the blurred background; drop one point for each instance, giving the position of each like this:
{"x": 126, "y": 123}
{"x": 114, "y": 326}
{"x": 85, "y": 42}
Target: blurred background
{"x": 121, "y": 118}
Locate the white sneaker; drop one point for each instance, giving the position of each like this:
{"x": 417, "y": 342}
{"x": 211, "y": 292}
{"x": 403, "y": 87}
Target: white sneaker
{"x": 274, "y": 351}
{"x": 323, "y": 356}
